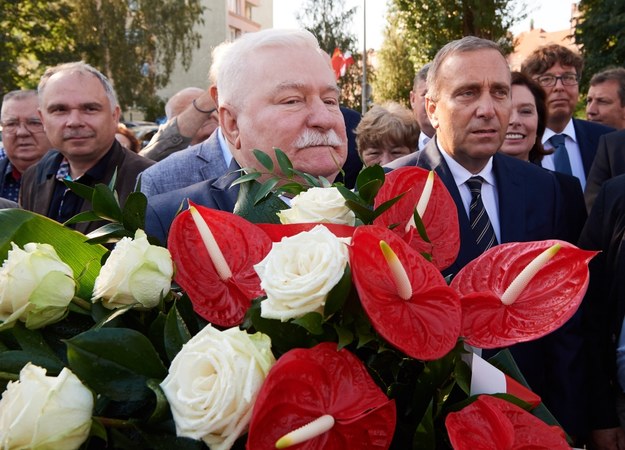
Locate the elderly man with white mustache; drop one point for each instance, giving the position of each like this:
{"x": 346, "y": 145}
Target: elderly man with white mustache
{"x": 275, "y": 89}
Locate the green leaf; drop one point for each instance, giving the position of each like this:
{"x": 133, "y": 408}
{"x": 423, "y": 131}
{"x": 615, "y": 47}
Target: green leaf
{"x": 265, "y": 189}
{"x": 264, "y": 159}
{"x": 12, "y": 361}
{"x": 362, "y": 212}
{"x": 176, "y": 333}
{"x": 21, "y": 226}
{"x": 420, "y": 226}
{"x": 283, "y": 161}
{"x": 424, "y": 437}
{"x": 115, "y": 362}
{"x": 246, "y": 177}
{"x": 133, "y": 213}
{"x": 348, "y": 194}
{"x": 161, "y": 410}
{"x": 345, "y": 336}
{"x": 368, "y": 173}
{"x": 386, "y": 205}
{"x": 308, "y": 178}
{"x": 81, "y": 190}
{"x": 369, "y": 190}
{"x": 85, "y": 216}
{"x": 111, "y": 232}
{"x": 312, "y": 322}
{"x": 338, "y": 294}
{"x": 264, "y": 212}
{"x": 105, "y": 203}
{"x": 284, "y": 335}
{"x": 32, "y": 341}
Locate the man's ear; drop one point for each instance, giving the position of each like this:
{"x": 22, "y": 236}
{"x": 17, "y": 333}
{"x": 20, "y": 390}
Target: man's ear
{"x": 229, "y": 125}
{"x": 212, "y": 90}
{"x": 430, "y": 109}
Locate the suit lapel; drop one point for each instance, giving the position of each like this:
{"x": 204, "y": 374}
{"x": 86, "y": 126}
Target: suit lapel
{"x": 512, "y": 200}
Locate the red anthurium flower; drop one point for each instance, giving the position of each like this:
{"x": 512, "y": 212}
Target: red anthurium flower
{"x": 535, "y": 305}
{"x": 420, "y": 318}
{"x": 440, "y": 217}
{"x": 278, "y": 231}
{"x": 490, "y": 423}
{"x": 220, "y": 299}
{"x": 321, "y": 382}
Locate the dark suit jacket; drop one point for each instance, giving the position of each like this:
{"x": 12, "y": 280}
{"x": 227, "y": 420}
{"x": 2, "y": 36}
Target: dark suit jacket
{"x": 38, "y": 181}
{"x": 521, "y": 216}
{"x": 609, "y": 162}
{"x": 215, "y": 193}
{"x": 604, "y": 305}
{"x": 353, "y": 164}
{"x": 573, "y": 206}
{"x": 588, "y": 134}
{"x": 529, "y": 209}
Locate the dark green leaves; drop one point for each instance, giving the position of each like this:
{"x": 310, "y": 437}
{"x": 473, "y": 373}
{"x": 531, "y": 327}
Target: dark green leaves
{"x": 115, "y": 362}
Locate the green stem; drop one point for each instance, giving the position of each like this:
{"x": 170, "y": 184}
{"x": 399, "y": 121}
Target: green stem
{"x": 9, "y": 376}
{"x": 82, "y": 303}
{"x": 114, "y": 423}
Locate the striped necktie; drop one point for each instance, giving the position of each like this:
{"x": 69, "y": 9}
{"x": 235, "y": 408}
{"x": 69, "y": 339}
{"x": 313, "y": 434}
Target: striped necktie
{"x": 560, "y": 155}
{"x": 480, "y": 223}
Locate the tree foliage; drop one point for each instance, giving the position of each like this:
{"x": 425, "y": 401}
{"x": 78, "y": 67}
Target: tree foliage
{"x": 420, "y": 29}
{"x": 600, "y": 31}
{"x": 134, "y": 42}
{"x": 395, "y": 73}
{"x": 33, "y": 35}
{"x": 330, "y": 22}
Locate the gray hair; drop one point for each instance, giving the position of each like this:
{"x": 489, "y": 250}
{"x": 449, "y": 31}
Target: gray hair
{"x": 466, "y": 44}
{"x": 80, "y": 67}
{"x": 614, "y": 73}
{"x": 231, "y": 59}
{"x": 421, "y": 75}
{"x": 19, "y": 94}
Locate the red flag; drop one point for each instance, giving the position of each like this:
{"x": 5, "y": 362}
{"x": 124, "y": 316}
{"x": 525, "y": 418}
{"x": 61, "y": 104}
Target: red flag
{"x": 340, "y": 62}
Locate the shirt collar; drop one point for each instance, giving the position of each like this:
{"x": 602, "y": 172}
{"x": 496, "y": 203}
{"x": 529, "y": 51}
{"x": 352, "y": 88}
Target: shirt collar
{"x": 568, "y": 131}
{"x": 461, "y": 175}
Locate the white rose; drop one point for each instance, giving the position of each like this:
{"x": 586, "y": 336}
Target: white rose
{"x": 35, "y": 286}
{"x": 135, "y": 272}
{"x": 213, "y": 383}
{"x": 323, "y": 205}
{"x": 41, "y": 412}
{"x": 299, "y": 272}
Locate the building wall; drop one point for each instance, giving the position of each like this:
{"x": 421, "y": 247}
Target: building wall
{"x": 220, "y": 24}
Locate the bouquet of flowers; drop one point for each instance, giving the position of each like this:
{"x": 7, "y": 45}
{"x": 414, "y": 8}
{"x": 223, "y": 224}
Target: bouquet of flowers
{"x": 326, "y": 324}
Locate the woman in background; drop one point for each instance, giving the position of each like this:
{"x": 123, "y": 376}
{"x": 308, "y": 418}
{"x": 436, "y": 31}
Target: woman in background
{"x": 385, "y": 133}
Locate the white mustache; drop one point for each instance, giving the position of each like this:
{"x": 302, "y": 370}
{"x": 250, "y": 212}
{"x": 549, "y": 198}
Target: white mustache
{"x": 315, "y": 138}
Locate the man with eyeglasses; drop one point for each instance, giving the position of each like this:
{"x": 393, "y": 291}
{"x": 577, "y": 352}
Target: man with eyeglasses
{"x": 557, "y": 70}
{"x": 24, "y": 139}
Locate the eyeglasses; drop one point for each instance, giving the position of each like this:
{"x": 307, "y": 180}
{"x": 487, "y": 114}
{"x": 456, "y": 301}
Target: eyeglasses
{"x": 568, "y": 79}
{"x": 11, "y": 126}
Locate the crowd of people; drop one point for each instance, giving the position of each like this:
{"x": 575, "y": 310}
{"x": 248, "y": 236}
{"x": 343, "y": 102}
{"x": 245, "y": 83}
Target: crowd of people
{"x": 517, "y": 163}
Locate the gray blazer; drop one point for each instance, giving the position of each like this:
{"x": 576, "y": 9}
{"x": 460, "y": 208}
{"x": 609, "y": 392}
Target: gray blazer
{"x": 199, "y": 162}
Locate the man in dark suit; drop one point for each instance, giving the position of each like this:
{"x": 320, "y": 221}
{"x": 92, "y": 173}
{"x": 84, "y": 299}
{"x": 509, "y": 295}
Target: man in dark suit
{"x": 469, "y": 104}
{"x": 558, "y": 70}
{"x": 79, "y": 110}
{"x": 604, "y": 311}
{"x": 275, "y": 89}
{"x": 609, "y": 162}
